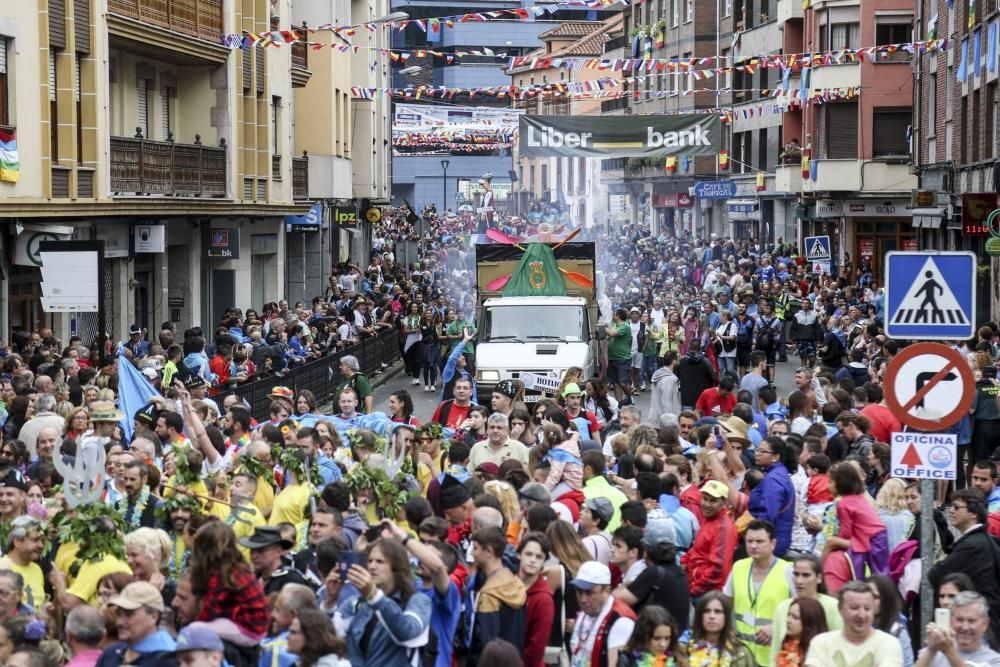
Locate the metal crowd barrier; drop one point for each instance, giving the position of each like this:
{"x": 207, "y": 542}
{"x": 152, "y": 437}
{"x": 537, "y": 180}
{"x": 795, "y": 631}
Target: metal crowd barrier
{"x": 320, "y": 376}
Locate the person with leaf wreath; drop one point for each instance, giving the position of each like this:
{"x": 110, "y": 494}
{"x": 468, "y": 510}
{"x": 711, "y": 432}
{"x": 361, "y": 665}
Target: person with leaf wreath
{"x": 432, "y": 453}
{"x": 90, "y": 548}
{"x": 258, "y": 460}
{"x": 301, "y": 481}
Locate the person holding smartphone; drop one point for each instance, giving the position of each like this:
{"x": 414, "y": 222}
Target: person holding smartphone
{"x": 390, "y": 618}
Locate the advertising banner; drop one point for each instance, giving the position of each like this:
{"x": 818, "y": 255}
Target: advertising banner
{"x": 616, "y": 136}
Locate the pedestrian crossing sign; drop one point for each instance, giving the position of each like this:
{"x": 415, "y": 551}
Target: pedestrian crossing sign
{"x": 817, "y": 248}
{"x": 930, "y": 296}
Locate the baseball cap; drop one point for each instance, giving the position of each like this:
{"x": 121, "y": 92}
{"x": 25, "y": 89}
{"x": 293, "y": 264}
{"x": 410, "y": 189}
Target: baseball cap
{"x": 590, "y": 574}
{"x": 660, "y": 531}
{"x": 198, "y": 637}
{"x": 602, "y": 507}
{"x": 138, "y": 594}
{"x": 715, "y": 488}
{"x": 134, "y": 330}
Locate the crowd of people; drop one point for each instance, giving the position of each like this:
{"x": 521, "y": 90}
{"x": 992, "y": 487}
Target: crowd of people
{"x": 731, "y": 525}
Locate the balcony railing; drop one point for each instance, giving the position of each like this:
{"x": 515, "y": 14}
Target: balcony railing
{"x": 200, "y": 18}
{"x": 300, "y": 177}
{"x": 146, "y": 167}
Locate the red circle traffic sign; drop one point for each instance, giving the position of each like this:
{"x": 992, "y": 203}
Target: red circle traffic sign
{"x": 920, "y": 386}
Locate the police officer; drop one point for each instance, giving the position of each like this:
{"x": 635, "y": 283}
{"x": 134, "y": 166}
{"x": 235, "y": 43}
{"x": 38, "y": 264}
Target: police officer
{"x": 267, "y": 547}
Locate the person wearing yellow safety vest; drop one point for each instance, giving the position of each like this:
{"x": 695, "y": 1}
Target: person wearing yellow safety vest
{"x": 756, "y": 586}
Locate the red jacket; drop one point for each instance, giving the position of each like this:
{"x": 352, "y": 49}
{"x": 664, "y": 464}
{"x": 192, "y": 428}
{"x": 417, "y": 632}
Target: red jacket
{"x": 691, "y": 500}
{"x": 710, "y": 558}
{"x": 541, "y": 614}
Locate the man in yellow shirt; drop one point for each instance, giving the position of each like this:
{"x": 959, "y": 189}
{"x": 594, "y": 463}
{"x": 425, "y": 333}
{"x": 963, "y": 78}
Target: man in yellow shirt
{"x": 25, "y": 545}
{"x": 243, "y": 491}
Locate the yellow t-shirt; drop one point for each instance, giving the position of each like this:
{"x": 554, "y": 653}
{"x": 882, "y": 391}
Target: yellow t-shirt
{"x": 256, "y": 518}
{"x": 34, "y": 581}
{"x": 84, "y": 586}
{"x": 290, "y": 507}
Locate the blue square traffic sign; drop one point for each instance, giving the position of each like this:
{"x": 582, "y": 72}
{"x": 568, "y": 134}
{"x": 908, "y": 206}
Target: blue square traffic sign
{"x": 930, "y": 296}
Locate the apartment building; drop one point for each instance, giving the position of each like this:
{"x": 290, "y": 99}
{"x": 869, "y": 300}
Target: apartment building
{"x": 571, "y": 182}
{"x": 858, "y": 184}
{"x": 956, "y": 111}
{"x": 133, "y": 118}
{"x": 677, "y": 34}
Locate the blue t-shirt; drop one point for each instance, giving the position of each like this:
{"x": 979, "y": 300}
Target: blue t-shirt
{"x": 445, "y": 612}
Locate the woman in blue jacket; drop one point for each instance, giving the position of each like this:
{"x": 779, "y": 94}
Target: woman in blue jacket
{"x": 389, "y": 622}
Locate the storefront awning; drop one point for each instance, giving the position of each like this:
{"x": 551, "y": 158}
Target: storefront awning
{"x": 929, "y": 218}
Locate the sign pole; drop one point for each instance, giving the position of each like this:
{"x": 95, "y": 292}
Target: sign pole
{"x": 927, "y": 533}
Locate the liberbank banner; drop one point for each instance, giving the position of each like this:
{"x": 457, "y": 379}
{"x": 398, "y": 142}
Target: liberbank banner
{"x": 620, "y": 136}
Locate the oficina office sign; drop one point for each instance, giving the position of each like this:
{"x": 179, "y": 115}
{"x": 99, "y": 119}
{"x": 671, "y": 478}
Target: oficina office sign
{"x": 618, "y": 136}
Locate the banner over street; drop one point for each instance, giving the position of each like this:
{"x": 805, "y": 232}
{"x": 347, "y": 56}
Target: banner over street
{"x": 620, "y": 136}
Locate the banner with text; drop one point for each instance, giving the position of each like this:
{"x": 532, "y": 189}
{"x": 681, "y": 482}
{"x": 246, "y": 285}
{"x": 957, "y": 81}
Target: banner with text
{"x": 617, "y": 136}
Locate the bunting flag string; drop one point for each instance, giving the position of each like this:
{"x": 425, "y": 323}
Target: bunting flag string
{"x": 779, "y": 100}
{"x": 430, "y": 24}
{"x": 706, "y": 67}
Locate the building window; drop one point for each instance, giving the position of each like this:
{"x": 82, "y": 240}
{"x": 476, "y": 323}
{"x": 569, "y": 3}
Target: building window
{"x": 841, "y": 127}
{"x": 690, "y": 79}
{"x": 53, "y": 108}
{"x": 166, "y": 115}
{"x": 889, "y": 129}
{"x": 676, "y": 5}
{"x": 727, "y": 8}
{"x": 275, "y": 121}
{"x": 932, "y": 106}
{"x": 839, "y": 36}
{"x": 688, "y": 10}
{"x": 4, "y": 91}
{"x": 992, "y": 101}
{"x": 897, "y": 32}
{"x": 142, "y": 106}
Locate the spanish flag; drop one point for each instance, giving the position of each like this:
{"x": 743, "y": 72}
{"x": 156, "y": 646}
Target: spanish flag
{"x": 724, "y": 161}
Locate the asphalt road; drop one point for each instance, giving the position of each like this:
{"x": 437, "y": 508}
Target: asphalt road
{"x": 424, "y": 403}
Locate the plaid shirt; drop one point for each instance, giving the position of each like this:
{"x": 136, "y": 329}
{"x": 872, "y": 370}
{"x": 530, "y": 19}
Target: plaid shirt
{"x": 246, "y": 606}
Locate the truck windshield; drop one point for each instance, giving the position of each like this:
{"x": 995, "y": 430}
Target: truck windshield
{"x": 537, "y": 322}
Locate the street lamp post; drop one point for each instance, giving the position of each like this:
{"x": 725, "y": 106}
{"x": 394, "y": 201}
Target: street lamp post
{"x": 444, "y": 188}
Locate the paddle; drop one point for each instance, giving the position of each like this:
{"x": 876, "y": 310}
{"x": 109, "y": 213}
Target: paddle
{"x": 569, "y": 238}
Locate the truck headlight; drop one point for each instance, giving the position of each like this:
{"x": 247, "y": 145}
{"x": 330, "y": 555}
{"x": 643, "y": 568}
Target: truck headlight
{"x": 489, "y": 376}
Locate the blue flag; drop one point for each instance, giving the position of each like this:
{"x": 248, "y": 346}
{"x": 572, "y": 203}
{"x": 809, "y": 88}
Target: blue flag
{"x": 134, "y": 391}
{"x": 963, "y": 70}
{"x": 991, "y": 48}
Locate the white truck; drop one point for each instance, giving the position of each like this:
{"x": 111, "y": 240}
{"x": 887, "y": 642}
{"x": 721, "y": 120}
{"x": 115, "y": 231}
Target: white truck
{"x": 534, "y": 338}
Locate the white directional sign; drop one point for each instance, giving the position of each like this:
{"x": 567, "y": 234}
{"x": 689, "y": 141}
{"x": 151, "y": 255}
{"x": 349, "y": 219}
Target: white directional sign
{"x": 540, "y": 382}
{"x": 924, "y": 455}
{"x": 930, "y": 296}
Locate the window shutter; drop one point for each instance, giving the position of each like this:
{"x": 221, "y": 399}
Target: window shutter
{"x": 842, "y": 131}
{"x": 77, "y": 80}
{"x": 57, "y": 24}
{"x": 247, "y": 68}
{"x": 164, "y": 112}
{"x": 52, "y": 76}
{"x": 81, "y": 25}
{"x": 260, "y": 70}
{"x": 3, "y": 55}
{"x": 141, "y": 86}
